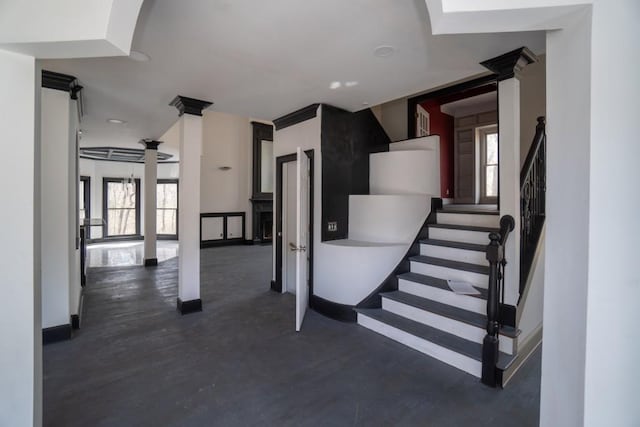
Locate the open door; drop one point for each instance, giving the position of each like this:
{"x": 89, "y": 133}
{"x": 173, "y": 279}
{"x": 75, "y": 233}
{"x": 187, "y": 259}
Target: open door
{"x": 302, "y": 238}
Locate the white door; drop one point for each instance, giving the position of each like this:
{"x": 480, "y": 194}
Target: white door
{"x": 302, "y": 234}
{"x": 289, "y": 226}
{"x": 422, "y": 122}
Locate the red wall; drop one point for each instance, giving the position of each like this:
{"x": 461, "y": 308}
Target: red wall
{"x": 442, "y": 124}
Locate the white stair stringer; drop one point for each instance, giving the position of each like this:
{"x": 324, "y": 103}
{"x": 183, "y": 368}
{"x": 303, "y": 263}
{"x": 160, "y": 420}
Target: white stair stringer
{"x": 448, "y": 356}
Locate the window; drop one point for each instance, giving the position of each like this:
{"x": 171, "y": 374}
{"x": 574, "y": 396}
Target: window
{"x": 167, "y": 208}
{"x": 489, "y": 164}
{"x": 84, "y": 202}
{"x": 121, "y": 205}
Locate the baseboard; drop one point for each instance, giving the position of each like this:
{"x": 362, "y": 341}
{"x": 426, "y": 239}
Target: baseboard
{"x": 524, "y": 352}
{"x": 508, "y": 315}
{"x": 341, "y": 312}
{"x": 151, "y": 262}
{"x": 447, "y": 201}
{"x": 276, "y": 287}
{"x": 249, "y": 242}
{"x": 192, "y": 306}
{"x": 75, "y": 321}
{"x": 56, "y": 334}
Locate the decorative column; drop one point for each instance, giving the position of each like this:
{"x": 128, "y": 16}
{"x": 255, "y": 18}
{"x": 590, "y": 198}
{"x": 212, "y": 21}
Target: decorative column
{"x": 507, "y": 68}
{"x": 150, "y": 204}
{"x": 190, "y": 131}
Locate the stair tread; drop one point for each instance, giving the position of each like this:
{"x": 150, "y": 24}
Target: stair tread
{"x": 457, "y": 245}
{"x": 434, "y": 335}
{"x": 446, "y": 310}
{"x": 436, "y": 283}
{"x": 458, "y": 265}
{"x": 466, "y": 228}
{"x": 468, "y": 212}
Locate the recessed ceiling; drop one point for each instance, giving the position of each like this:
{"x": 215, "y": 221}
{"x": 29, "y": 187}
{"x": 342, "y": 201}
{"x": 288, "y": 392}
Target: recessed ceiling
{"x": 264, "y": 59}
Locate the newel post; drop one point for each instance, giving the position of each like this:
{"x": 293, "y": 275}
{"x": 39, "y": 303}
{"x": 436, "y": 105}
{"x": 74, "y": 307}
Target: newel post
{"x": 495, "y": 255}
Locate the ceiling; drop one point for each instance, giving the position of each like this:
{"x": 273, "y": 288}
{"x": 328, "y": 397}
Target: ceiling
{"x": 265, "y": 59}
{"x": 472, "y": 105}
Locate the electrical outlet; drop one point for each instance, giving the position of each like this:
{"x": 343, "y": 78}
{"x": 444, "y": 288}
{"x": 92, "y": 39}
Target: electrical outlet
{"x": 332, "y": 226}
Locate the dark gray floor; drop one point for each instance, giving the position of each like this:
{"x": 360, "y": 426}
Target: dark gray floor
{"x": 137, "y": 362}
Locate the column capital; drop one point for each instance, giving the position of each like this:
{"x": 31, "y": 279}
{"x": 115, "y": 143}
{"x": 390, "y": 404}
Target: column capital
{"x": 189, "y": 105}
{"x": 150, "y": 144}
{"x": 509, "y": 65}
{"x": 63, "y": 82}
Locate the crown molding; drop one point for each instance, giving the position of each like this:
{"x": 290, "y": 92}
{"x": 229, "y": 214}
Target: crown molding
{"x": 296, "y": 117}
{"x": 510, "y": 64}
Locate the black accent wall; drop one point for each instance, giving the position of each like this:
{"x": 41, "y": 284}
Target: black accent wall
{"x": 347, "y": 139}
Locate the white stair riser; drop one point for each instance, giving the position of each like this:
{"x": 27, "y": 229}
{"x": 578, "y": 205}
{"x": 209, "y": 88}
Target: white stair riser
{"x": 468, "y": 219}
{"x": 443, "y": 354}
{"x": 477, "y": 305}
{"x": 446, "y": 273}
{"x": 454, "y": 254}
{"x": 452, "y": 326}
{"x": 479, "y": 237}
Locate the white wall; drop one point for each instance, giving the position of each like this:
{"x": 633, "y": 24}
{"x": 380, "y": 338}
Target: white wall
{"x": 97, "y": 170}
{"x": 613, "y": 297}
{"x": 532, "y": 102}
{"x": 58, "y": 191}
{"x": 530, "y": 308}
{"x": 20, "y": 317}
{"x": 393, "y": 118}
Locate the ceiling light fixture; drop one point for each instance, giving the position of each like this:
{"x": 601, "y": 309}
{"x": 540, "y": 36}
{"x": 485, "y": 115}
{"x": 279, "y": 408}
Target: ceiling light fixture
{"x": 384, "y": 51}
{"x": 335, "y": 85}
{"x": 351, "y": 83}
{"x": 139, "y": 56}
{"x": 116, "y": 121}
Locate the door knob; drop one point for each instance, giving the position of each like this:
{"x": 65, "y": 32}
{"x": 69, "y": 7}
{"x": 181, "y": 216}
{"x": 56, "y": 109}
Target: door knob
{"x": 294, "y": 248}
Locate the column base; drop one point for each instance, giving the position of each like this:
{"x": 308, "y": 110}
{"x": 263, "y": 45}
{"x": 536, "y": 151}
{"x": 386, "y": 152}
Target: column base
{"x": 186, "y": 307}
{"x": 151, "y": 262}
{"x": 56, "y": 333}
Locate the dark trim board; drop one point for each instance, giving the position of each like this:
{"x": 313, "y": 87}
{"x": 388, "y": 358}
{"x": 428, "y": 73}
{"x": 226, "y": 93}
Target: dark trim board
{"x": 341, "y": 312}
{"x": 59, "y": 81}
{"x": 275, "y": 287}
{"x": 75, "y": 321}
{"x": 56, "y": 334}
{"x": 509, "y": 64}
{"x": 192, "y": 306}
{"x": 116, "y": 239}
{"x": 296, "y": 117}
{"x": 86, "y": 196}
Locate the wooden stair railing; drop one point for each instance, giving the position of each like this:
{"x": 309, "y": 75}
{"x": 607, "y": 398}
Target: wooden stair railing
{"x": 497, "y": 264}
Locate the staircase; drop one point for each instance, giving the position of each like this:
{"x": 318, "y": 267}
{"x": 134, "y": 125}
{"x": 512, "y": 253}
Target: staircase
{"x": 424, "y": 314}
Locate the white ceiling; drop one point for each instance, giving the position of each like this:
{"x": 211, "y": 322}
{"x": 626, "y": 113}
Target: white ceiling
{"x": 472, "y": 105}
{"x": 264, "y": 59}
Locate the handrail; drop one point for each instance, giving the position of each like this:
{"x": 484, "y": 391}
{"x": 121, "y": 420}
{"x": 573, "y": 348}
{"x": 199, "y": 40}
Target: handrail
{"x": 497, "y": 264}
{"x": 533, "y": 188}
{"x": 538, "y": 140}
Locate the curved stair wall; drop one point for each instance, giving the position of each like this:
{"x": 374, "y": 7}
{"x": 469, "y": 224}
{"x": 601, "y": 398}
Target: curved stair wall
{"x": 382, "y": 225}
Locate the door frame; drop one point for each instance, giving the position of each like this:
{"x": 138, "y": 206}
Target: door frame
{"x": 280, "y": 161}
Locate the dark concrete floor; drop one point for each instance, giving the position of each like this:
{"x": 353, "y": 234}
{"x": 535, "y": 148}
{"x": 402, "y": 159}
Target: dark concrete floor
{"x": 137, "y": 362}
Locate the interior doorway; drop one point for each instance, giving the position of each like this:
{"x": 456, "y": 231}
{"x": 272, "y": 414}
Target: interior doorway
{"x": 294, "y": 228}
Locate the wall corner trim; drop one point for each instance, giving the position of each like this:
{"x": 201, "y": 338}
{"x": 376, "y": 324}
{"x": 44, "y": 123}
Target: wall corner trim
{"x": 296, "y": 117}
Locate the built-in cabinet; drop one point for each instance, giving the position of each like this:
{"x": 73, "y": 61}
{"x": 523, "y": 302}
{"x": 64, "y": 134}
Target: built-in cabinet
{"x": 226, "y": 228}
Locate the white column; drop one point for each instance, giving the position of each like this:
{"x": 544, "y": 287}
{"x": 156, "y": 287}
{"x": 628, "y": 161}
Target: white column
{"x": 20, "y": 317}
{"x": 190, "y": 129}
{"x": 150, "y": 202}
{"x": 507, "y": 67}
{"x": 509, "y": 161}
